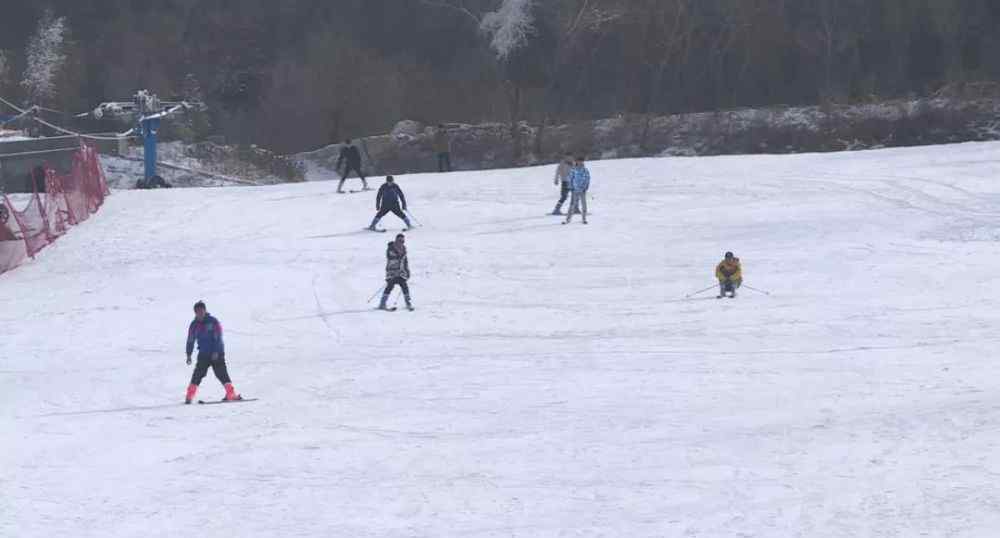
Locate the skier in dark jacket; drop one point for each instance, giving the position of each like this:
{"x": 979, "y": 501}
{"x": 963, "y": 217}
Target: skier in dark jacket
{"x": 207, "y": 332}
{"x": 350, "y": 156}
{"x": 397, "y": 271}
{"x": 390, "y": 198}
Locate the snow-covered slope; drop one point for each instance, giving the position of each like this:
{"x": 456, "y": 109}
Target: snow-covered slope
{"x": 553, "y": 381}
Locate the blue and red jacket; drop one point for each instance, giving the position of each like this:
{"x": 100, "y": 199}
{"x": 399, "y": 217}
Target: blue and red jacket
{"x": 208, "y": 334}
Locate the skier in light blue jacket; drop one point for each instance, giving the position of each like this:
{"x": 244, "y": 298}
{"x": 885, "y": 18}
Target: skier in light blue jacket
{"x": 579, "y": 183}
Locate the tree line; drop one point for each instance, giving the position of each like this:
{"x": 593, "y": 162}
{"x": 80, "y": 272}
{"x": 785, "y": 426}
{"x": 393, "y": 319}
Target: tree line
{"x": 297, "y": 74}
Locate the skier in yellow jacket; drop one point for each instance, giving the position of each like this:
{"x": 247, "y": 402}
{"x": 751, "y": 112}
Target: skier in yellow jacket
{"x": 730, "y": 275}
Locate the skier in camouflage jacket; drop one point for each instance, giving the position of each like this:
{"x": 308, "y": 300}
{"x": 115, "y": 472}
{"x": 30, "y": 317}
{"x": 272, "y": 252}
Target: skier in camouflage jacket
{"x": 397, "y": 271}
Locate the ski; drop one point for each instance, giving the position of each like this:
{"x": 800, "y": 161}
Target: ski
{"x": 379, "y": 230}
{"x": 203, "y": 402}
{"x": 392, "y": 309}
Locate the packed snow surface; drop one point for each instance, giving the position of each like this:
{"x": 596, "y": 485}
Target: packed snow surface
{"x": 553, "y": 381}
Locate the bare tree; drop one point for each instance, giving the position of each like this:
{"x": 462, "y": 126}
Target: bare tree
{"x": 575, "y": 20}
{"x": 830, "y": 35}
{"x": 508, "y": 30}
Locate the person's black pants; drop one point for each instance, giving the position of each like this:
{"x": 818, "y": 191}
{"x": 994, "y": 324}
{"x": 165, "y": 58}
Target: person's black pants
{"x": 218, "y": 367}
{"x": 729, "y": 286}
{"x": 444, "y": 162}
{"x": 347, "y": 172}
{"x": 391, "y": 285}
{"x": 386, "y": 209}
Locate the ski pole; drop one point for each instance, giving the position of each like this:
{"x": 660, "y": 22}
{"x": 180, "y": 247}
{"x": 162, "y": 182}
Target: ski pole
{"x": 751, "y": 288}
{"x": 380, "y": 290}
{"x": 414, "y": 218}
{"x": 699, "y": 292}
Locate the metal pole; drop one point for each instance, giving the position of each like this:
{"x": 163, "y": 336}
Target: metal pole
{"x": 380, "y": 290}
{"x": 699, "y": 292}
{"x": 417, "y": 222}
{"x": 149, "y": 131}
{"x": 751, "y": 288}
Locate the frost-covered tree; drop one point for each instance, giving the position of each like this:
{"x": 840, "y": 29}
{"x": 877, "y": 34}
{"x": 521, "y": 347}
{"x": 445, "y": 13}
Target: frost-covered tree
{"x": 4, "y": 69}
{"x": 509, "y": 27}
{"x": 46, "y": 55}
{"x": 4, "y": 66}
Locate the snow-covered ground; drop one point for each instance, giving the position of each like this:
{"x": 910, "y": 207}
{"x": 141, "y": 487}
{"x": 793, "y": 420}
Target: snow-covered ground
{"x": 553, "y": 381}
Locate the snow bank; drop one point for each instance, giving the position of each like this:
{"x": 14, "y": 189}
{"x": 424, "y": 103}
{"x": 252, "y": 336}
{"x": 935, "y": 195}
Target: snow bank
{"x": 777, "y": 130}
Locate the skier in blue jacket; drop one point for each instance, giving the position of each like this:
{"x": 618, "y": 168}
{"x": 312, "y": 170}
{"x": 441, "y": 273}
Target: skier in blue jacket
{"x": 206, "y": 331}
{"x": 579, "y": 183}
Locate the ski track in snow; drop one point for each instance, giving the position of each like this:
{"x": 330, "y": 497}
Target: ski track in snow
{"x": 553, "y": 382}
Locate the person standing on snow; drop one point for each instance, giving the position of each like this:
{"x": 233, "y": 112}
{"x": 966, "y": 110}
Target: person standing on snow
{"x": 730, "y": 275}
{"x": 442, "y": 146}
{"x": 388, "y": 199}
{"x": 207, "y": 332}
{"x": 397, "y": 272}
{"x": 579, "y": 184}
{"x": 562, "y": 180}
{"x": 350, "y": 156}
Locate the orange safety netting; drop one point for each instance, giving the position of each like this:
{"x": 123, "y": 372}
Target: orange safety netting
{"x": 68, "y": 200}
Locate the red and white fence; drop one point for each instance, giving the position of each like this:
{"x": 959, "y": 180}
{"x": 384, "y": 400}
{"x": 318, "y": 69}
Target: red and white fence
{"x": 67, "y": 201}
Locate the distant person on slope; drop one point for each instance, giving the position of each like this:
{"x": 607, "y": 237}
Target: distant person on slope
{"x": 397, "y": 271}
{"x": 730, "y": 275}
{"x": 562, "y": 180}
{"x": 442, "y": 146}
{"x": 389, "y": 199}
{"x": 350, "y": 156}
{"x": 579, "y": 184}
{"x": 207, "y": 332}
